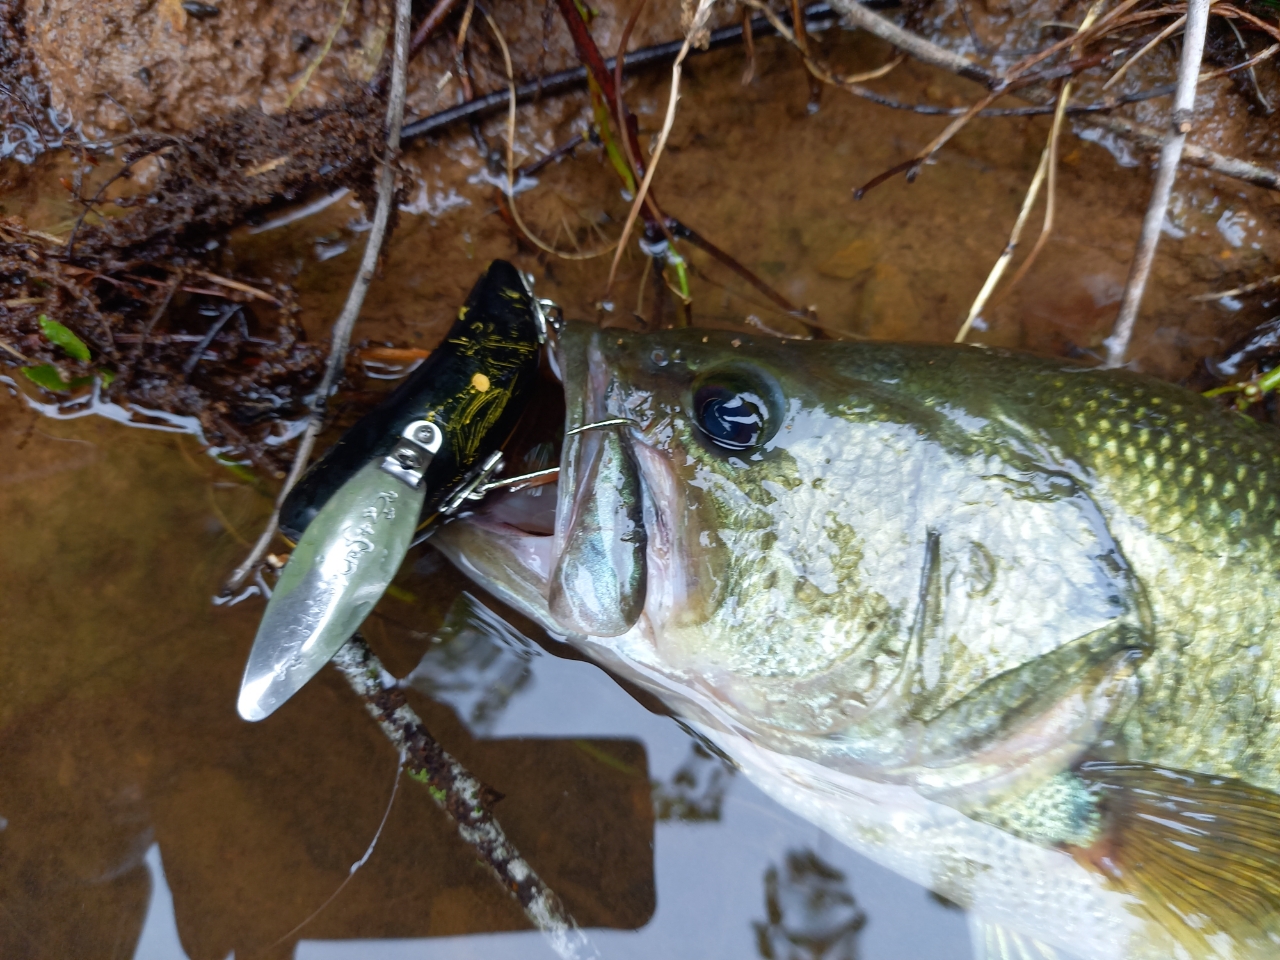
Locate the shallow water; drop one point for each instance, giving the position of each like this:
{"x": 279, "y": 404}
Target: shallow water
{"x": 139, "y": 817}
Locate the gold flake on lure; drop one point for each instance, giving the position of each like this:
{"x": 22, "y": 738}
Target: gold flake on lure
{"x": 1006, "y": 597}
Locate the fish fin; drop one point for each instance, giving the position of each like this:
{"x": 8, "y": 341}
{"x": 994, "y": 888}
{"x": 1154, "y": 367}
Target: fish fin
{"x": 1201, "y": 853}
{"x": 993, "y": 941}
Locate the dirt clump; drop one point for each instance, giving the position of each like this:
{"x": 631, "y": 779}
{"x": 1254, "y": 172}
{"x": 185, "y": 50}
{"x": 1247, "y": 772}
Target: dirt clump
{"x": 121, "y": 65}
{"x": 231, "y": 169}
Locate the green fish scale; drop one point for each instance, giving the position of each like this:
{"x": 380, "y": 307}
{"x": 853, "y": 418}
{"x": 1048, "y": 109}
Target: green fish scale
{"x": 1191, "y": 492}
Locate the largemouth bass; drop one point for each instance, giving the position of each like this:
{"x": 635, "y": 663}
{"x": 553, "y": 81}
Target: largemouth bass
{"x": 1001, "y": 623}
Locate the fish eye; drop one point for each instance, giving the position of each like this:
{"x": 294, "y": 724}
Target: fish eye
{"x": 732, "y": 411}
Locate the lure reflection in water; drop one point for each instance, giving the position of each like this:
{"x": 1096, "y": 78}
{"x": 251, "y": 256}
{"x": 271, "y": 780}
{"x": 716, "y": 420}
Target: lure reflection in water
{"x": 1001, "y": 624}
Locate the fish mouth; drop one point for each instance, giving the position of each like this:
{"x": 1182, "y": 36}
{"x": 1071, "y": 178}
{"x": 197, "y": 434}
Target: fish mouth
{"x": 575, "y": 553}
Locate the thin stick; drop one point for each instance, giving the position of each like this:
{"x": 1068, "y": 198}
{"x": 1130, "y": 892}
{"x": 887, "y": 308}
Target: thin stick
{"x": 1239, "y": 291}
{"x": 1180, "y": 125}
{"x": 511, "y": 162}
{"x": 1006, "y": 255}
{"x": 1249, "y": 64}
{"x": 461, "y": 796}
{"x": 1142, "y": 135}
{"x": 854, "y": 12}
{"x": 342, "y": 327}
{"x": 237, "y": 285}
{"x": 193, "y": 361}
{"x": 170, "y": 289}
{"x": 430, "y": 24}
{"x": 1051, "y": 194}
{"x": 1155, "y": 41}
{"x": 695, "y": 27}
{"x": 1258, "y": 96}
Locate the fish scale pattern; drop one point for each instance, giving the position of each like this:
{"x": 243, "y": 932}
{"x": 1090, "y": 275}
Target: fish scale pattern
{"x": 1192, "y": 494}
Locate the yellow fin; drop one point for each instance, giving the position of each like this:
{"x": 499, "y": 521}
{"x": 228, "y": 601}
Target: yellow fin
{"x": 1201, "y": 853}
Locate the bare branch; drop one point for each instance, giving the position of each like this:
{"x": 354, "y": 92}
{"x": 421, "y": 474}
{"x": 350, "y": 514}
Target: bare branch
{"x": 920, "y": 48}
{"x": 1180, "y": 125}
{"x": 1149, "y": 137}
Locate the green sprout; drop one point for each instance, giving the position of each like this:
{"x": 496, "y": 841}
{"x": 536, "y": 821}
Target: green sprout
{"x": 60, "y": 336}
{"x": 1251, "y": 391}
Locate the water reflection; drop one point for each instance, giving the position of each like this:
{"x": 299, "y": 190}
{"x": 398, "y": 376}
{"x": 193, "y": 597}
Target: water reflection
{"x": 476, "y": 663}
{"x": 695, "y": 792}
{"x": 812, "y": 915}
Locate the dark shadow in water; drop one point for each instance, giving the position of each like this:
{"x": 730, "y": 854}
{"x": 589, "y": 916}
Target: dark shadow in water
{"x": 695, "y": 792}
{"x": 812, "y": 914}
{"x": 118, "y": 731}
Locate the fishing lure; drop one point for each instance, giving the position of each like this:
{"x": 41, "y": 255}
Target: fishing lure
{"x": 434, "y": 443}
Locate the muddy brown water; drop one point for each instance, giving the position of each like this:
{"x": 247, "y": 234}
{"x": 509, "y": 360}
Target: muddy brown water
{"x": 140, "y": 818}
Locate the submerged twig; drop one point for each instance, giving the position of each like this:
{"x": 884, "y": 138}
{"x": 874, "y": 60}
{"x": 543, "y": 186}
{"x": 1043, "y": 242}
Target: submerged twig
{"x": 343, "y": 325}
{"x": 1180, "y": 125}
{"x": 1253, "y": 287}
{"x": 1006, "y": 255}
{"x": 1142, "y": 135}
{"x": 460, "y": 795}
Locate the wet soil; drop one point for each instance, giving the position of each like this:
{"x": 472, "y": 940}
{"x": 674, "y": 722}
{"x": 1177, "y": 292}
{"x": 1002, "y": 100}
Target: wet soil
{"x": 127, "y": 776}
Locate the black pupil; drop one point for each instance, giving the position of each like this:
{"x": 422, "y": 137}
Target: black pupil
{"x": 730, "y": 419}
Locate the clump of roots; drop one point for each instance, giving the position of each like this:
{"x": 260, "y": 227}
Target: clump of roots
{"x": 141, "y": 290}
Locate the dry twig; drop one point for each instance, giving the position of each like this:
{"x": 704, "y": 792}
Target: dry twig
{"x": 342, "y": 327}
{"x": 1248, "y": 288}
{"x": 1154, "y": 42}
{"x": 1006, "y": 255}
{"x": 1047, "y": 166}
{"x": 1055, "y": 136}
{"x": 1180, "y": 125}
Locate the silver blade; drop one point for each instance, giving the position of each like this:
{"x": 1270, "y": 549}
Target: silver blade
{"x": 343, "y": 564}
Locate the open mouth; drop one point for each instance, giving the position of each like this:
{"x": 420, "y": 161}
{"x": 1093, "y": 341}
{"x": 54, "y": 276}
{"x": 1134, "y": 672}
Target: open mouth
{"x": 574, "y": 523}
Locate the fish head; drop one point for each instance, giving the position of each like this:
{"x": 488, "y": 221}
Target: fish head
{"x": 839, "y": 556}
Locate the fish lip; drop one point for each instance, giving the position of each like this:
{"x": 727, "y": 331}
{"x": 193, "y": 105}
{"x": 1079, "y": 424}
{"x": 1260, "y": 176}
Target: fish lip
{"x": 578, "y": 360}
{"x": 597, "y": 421}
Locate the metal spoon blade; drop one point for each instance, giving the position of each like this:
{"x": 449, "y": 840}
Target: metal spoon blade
{"x": 344, "y": 562}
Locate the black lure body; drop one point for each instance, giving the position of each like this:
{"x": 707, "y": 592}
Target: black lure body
{"x": 472, "y": 386}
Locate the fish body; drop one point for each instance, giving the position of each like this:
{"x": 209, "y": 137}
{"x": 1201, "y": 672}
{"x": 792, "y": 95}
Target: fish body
{"x": 1000, "y": 622}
